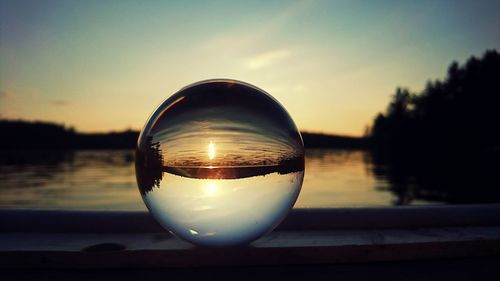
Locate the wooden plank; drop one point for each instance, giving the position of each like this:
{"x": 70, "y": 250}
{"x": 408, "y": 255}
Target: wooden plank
{"x": 81, "y": 239}
{"x": 82, "y": 250}
{"x": 54, "y": 221}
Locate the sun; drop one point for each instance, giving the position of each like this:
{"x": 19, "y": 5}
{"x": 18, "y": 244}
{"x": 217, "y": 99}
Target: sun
{"x": 211, "y": 189}
{"x": 211, "y": 150}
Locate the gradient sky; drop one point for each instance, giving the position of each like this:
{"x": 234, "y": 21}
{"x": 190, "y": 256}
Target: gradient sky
{"x": 105, "y": 65}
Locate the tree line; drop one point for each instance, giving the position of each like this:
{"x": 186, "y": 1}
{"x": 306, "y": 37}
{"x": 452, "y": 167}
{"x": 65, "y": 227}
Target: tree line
{"x": 443, "y": 143}
{"x": 459, "y": 113}
{"x": 21, "y": 134}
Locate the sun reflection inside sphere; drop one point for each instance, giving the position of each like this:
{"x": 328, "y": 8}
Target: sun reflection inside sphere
{"x": 211, "y": 150}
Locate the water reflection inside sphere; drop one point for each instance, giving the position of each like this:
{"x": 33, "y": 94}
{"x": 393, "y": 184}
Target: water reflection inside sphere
{"x": 220, "y": 163}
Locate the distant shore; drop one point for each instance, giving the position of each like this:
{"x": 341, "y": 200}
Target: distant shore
{"x": 20, "y": 134}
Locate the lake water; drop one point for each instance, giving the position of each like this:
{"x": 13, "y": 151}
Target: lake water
{"x": 105, "y": 180}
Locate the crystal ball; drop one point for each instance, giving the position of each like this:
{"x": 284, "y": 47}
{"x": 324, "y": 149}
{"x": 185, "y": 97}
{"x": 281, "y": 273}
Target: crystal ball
{"x": 220, "y": 163}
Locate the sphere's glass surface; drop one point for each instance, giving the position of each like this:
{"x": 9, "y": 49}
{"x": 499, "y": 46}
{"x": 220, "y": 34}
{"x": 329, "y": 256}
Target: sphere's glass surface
{"x": 220, "y": 163}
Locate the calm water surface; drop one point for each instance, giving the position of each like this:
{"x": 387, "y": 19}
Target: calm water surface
{"x": 105, "y": 180}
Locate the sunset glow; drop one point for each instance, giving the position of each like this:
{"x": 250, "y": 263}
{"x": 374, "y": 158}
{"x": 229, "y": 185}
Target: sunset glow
{"x": 105, "y": 65}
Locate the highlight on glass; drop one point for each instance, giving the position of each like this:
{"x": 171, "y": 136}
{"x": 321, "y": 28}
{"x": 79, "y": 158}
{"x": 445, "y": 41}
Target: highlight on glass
{"x": 220, "y": 163}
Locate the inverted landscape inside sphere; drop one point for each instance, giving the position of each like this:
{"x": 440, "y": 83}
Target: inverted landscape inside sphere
{"x": 218, "y": 130}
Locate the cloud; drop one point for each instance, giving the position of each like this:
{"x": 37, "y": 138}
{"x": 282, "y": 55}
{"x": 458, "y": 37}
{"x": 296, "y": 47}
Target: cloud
{"x": 61, "y": 102}
{"x": 266, "y": 59}
{"x": 245, "y": 41}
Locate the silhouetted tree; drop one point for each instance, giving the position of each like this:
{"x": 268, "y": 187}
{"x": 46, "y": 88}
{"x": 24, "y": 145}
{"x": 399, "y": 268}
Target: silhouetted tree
{"x": 447, "y": 136}
{"x": 149, "y": 166}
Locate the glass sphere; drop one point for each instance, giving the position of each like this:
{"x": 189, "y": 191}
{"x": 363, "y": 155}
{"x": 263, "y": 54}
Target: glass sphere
{"x": 220, "y": 163}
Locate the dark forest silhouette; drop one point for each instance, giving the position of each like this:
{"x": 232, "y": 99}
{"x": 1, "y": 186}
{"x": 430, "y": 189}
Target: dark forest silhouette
{"x": 444, "y": 143}
{"x": 25, "y": 135}
{"x": 22, "y": 134}
{"x": 315, "y": 140}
